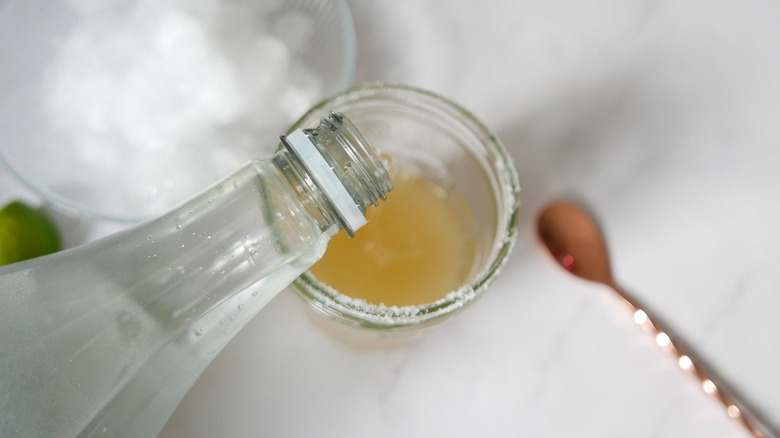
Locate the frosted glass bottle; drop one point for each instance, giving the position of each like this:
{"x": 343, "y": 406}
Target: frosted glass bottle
{"x": 106, "y": 339}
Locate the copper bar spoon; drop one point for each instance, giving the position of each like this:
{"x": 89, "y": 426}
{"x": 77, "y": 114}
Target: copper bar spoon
{"x": 572, "y": 237}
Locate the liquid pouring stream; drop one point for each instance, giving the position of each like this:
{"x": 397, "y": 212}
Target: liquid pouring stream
{"x": 575, "y": 241}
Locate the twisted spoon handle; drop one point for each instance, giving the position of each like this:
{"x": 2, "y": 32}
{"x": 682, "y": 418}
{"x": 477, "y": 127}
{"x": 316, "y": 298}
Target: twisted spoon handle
{"x": 687, "y": 360}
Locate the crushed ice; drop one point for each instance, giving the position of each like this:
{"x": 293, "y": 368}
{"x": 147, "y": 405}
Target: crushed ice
{"x": 162, "y": 97}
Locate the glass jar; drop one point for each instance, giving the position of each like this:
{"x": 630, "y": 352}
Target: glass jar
{"x": 447, "y": 145}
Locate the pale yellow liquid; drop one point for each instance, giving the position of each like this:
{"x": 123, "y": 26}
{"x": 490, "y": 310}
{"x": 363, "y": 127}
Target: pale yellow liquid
{"x": 418, "y": 245}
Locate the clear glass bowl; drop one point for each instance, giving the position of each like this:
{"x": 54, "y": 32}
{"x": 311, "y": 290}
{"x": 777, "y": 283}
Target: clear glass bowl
{"x": 121, "y": 110}
{"x": 449, "y": 146}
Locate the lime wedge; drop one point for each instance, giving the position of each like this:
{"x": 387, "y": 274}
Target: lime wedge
{"x": 25, "y": 233}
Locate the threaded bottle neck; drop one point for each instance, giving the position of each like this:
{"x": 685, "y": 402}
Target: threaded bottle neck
{"x": 343, "y": 166}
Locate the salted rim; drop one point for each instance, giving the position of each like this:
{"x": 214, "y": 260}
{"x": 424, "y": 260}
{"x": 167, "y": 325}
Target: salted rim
{"x": 358, "y": 312}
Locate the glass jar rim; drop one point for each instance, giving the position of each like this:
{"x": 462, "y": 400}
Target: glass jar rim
{"x": 357, "y": 312}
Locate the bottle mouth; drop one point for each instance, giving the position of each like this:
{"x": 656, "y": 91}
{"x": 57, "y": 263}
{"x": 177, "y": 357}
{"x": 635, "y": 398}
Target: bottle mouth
{"x": 359, "y": 163}
{"x": 344, "y": 167}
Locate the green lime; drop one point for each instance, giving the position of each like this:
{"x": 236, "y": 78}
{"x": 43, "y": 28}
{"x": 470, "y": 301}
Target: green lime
{"x": 25, "y": 233}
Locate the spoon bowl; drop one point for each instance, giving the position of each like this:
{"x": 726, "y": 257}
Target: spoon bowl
{"x": 566, "y": 230}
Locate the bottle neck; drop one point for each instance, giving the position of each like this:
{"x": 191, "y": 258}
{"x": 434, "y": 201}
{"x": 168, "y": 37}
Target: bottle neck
{"x": 336, "y": 173}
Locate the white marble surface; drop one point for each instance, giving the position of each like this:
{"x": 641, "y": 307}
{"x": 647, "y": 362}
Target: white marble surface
{"x": 661, "y": 117}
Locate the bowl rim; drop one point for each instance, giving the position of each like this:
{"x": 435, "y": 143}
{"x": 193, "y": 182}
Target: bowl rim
{"x": 350, "y": 42}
